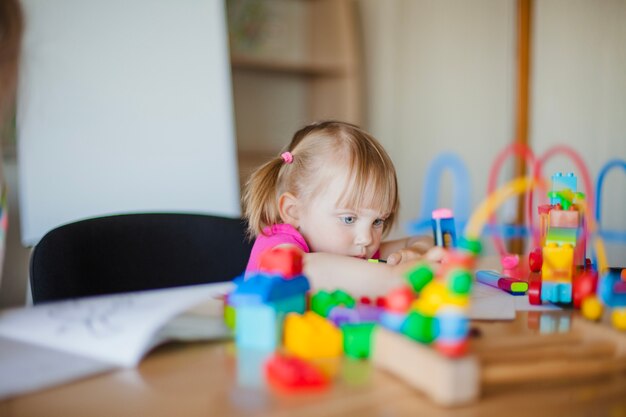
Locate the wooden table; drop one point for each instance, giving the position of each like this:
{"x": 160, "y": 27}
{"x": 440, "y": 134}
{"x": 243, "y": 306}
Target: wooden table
{"x": 201, "y": 379}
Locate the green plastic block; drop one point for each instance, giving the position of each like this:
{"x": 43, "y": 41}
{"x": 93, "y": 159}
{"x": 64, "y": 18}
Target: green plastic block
{"x": 343, "y": 298}
{"x": 420, "y": 328}
{"x": 419, "y": 276}
{"x": 230, "y": 317}
{"x": 322, "y": 302}
{"x": 460, "y": 282}
{"x": 357, "y": 339}
{"x": 471, "y": 245}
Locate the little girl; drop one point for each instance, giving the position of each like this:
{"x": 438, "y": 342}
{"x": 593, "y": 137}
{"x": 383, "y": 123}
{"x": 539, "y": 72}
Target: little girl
{"x": 332, "y": 194}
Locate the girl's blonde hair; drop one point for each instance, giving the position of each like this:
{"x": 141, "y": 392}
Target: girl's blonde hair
{"x": 316, "y": 148}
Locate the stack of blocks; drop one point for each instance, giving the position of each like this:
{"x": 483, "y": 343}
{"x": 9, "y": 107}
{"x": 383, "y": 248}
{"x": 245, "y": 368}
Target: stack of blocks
{"x": 262, "y": 299}
{"x": 564, "y": 244}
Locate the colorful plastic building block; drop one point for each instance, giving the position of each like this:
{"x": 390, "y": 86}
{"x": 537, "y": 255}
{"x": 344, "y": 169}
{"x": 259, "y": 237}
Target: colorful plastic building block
{"x": 261, "y": 302}
{"x": 322, "y": 301}
{"x": 420, "y": 327}
{"x": 419, "y": 276}
{"x": 535, "y": 260}
{"x": 444, "y": 231}
{"x": 293, "y": 374}
{"x": 557, "y": 263}
{"x": 264, "y": 288}
{"x": 283, "y": 261}
{"x": 399, "y": 300}
{"x": 357, "y": 339}
{"x": 556, "y": 292}
{"x": 564, "y": 218}
{"x": 310, "y": 336}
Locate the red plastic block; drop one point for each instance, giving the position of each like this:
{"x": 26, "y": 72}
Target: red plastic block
{"x": 286, "y": 261}
{"x": 534, "y": 293}
{"x": 535, "y": 260}
{"x": 452, "y": 349}
{"x": 584, "y": 286}
{"x": 292, "y": 374}
{"x": 399, "y": 300}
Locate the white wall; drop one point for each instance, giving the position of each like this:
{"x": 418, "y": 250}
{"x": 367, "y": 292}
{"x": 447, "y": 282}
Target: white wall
{"x": 124, "y": 106}
{"x": 441, "y": 76}
{"x": 579, "y": 93}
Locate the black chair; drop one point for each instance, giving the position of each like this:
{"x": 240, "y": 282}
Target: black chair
{"x": 134, "y": 252}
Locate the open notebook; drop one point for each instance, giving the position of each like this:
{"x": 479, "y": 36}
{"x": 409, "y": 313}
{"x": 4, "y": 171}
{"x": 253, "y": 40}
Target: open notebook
{"x": 57, "y": 342}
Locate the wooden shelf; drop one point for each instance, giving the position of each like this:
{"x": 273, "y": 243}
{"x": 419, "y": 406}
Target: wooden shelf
{"x": 241, "y": 62}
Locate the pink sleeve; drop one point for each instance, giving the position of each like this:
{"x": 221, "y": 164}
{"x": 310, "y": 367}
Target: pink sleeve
{"x": 277, "y": 235}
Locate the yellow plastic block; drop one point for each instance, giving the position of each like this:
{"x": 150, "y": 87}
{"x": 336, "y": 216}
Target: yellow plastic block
{"x": 591, "y": 308}
{"x": 311, "y": 336}
{"x": 618, "y": 318}
{"x": 557, "y": 263}
{"x": 433, "y": 296}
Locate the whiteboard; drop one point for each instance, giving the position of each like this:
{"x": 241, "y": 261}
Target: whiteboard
{"x": 124, "y": 106}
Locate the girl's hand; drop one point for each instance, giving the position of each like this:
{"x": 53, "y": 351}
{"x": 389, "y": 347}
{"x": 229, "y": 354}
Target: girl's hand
{"x": 415, "y": 249}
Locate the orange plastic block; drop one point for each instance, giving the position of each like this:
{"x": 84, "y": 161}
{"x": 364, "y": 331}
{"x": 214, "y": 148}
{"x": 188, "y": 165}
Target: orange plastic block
{"x": 310, "y": 336}
{"x": 557, "y": 263}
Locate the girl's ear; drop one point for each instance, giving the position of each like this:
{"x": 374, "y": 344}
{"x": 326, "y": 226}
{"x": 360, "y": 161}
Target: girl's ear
{"x": 289, "y": 209}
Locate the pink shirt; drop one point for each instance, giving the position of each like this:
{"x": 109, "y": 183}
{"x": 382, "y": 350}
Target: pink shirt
{"x": 272, "y": 236}
{"x": 275, "y": 235}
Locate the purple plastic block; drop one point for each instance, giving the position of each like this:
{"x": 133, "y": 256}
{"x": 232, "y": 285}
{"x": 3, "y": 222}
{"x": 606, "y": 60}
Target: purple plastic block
{"x": 343, "y": 315}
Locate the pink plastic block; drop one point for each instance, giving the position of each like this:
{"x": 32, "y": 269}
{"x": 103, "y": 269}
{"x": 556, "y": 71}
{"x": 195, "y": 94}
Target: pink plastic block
{"x": 442, "y": 213}
{"x": 565, "y": 218}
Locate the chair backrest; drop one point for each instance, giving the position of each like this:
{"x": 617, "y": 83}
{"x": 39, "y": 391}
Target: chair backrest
{"x": 136, "y": 252}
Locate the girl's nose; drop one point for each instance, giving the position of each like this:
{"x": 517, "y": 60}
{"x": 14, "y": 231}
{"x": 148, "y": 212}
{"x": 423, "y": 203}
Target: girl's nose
{"x": 363, "y": 237}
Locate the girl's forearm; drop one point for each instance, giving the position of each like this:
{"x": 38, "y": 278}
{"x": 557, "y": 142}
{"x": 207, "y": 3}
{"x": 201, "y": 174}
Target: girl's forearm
{"x": 355, "y": 276}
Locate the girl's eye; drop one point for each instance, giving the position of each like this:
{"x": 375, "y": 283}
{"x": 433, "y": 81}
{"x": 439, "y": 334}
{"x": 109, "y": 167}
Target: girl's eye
{"x": 379, "y": 222}
{"x": 348, "y": 219}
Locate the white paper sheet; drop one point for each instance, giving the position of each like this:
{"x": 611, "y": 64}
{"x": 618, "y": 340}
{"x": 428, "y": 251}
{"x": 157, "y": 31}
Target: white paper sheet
{"x": 117, "y": 329}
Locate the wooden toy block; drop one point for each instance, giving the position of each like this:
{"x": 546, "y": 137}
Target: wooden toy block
{"x": 505, "y": 359}
{"x": 447, "y": 381}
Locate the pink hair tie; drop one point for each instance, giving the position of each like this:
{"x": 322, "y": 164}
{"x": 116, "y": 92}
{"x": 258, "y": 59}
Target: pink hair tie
{"x": 287, "y": 157}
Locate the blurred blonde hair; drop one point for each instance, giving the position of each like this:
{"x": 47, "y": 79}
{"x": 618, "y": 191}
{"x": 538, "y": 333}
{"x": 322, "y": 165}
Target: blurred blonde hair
{"x": 320, "y": 150}
{"x": 11, "y": 24}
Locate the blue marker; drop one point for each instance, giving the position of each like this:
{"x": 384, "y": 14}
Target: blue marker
{"x": 494, "y": 279}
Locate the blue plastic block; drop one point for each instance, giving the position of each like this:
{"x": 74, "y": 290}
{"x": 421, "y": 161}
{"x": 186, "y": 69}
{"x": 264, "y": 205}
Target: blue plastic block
{"x": 563, "y": 182}
{"x": 260, "y": 326}
{"x": 452, "y": 325}
{"x": 392, "y": 321}
{"x": 556, "y": 292}
{"x": 250, "y": 370}
{"x": 263, "y": 288}
{"x": 444, "y": 232}
{"x": 606, "y": 290}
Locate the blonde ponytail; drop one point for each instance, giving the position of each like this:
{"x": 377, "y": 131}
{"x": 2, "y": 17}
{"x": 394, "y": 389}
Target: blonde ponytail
{"x": 260, "y": 205}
